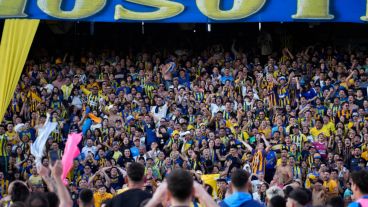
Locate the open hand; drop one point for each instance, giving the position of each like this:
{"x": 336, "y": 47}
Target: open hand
{"x": 57, "y": 169}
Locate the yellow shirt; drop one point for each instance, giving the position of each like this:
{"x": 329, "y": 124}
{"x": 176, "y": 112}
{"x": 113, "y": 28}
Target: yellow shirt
{"x": 315, "y": 132}
{"x": 11, "y": 137}
{"x": 87, "y": 92}
{"x": 365, "y": 155}
{"x": 350, "y": 125}
{"x": 33, "y": 95}
{"x": 331, "y": 186}
{"x": 266, "y": 132}
{"x": 224, "y": 140}
{"x": 243, "y": 136}
{"x": 330, "y": 127}
{"x": 91, "y": 85}
{"x": 287, "y": 129}
{"x": 35, "y": 180}
{"x": 99, "y": 198}
{"x": 67, "y": 90}
{"x": 117, "y": 155}
{"x": 278, "y": 162}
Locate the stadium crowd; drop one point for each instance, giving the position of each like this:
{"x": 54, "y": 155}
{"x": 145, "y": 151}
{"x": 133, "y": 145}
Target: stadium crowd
{"x": 295, "y": 122}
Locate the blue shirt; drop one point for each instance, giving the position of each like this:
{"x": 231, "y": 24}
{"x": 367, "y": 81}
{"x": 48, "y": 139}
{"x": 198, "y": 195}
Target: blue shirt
{"x": 310, "y": 94}
{"x": 275, "y": 129}
{"x": 126, "y": 89}
{"x": 150, "y": 135}
{"x": 327, "y": 87}
{"x": 31, "y": 132}
{"x": 271, "y": 160}
{"x": 240, "y": 199}
{"x": 227, "y": 78}
{"x": 184, "y": 81}
{"x": 135, "y": 151}
{"x": 354, "y": 164}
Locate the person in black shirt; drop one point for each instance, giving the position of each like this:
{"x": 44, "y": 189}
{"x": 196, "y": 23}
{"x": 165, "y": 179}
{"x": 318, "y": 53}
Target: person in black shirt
{"x": 134, "y": 196}
{"x": 234, "y": 156}
{"x": 354, "y": 162}
{"x": 127, "y": 157}
{"x": 162, "y": 136}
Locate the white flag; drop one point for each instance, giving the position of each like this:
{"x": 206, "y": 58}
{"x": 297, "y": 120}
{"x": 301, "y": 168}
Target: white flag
{"x": 37, "y": 148}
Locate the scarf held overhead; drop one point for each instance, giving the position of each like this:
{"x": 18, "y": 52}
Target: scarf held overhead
{"x": 38, "y": 147}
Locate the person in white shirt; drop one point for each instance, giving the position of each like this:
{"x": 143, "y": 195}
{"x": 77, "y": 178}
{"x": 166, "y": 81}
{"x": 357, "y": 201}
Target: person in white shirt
{"x": 88, "y": 148}
{"x": 75, "y": 99}
{"x": 154, "y": 152}
{"x": 217, "y": 106}
{"x": 181, "y": 95}
{"x": 215, "y": 74}
{"x": 159, "y": 111}
{"x": 48, "y": 87}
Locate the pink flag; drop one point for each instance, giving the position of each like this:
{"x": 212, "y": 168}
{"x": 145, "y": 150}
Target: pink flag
{"x": 71, "y": 151}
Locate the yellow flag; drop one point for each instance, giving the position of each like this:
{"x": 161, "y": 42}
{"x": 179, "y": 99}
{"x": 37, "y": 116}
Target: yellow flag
{"x": 211, "y": 180}
{"x": 16, "y": 42}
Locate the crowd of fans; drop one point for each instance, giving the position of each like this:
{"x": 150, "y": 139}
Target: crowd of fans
{"x": 297, "y": 118}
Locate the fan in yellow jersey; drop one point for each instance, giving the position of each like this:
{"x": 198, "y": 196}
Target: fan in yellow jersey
{"x": 283, "y": 92}
{"x": 318, "y": 129}
{"x": 34, "y": 98}
{"x": 297, "y": 138}
{"x": 13, "y": 136}
{"x": 4, "y": 155}
{"x": 4, "y": 185}
{"x": 270, "y": 84}
{"x": 93, "y": 98}
{"x": 101, "y": 195}
{"x": 259, "y": 155}
{"x": 67, "y": 88}
{"x": 239, "y": 133}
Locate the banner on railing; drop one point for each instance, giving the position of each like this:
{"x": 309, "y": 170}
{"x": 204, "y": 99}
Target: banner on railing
{"x": 188, "y": 11}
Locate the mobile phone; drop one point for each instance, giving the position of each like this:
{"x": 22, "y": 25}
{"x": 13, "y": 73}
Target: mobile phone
{"x": 148, "y": 189}
{"x": 54, "y": 156}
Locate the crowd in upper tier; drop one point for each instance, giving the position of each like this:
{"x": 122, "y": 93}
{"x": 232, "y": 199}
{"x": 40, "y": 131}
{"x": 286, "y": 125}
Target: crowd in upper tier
{"x": 295, "y": 116}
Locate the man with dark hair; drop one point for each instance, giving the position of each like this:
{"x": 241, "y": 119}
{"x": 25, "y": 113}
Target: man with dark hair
{"x": 277, "y": 201}
{"x": 180, "y": 185}
{"x": 179, "y": 190}
{"x": 134, "y": 196}
{"x": 18, "y": 191}
{"x": 135, "y": 172}
{"x": 318, "y": 194}
{"x": 298, "y": 198}
{"x": 86, "y": 198}
{"x": 52, "y": 199}
{"x": 359, "y": 186}
{"x": 241, "y": 188}
{"x": 335, "y": 202}
{"x": 37, "y": 200}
